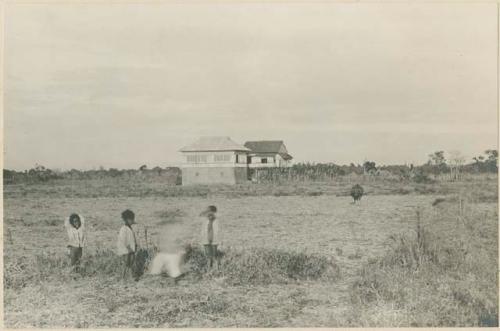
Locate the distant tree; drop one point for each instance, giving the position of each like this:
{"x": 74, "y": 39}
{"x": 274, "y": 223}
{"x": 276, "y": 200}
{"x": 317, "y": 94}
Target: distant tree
{"x": 436, "y": 164}
{"x": 437, "y": 158}
{"x": 40, "y": 173}
{"x": 456, "y": 162}
{"x": 143, "y": 167}
{"x": 479, "y": 164}
{"x": 487, "y": 162}
{"x": 9, "y": 176}
{"x": 157, "y": 170}
{"x": 113, "y": 172}
{"x": 478, "y": 159}
{"x": 369, "y": 167}
{"x": 492, "y": 160}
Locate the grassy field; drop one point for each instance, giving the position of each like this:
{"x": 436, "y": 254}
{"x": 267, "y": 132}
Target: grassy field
{"x": 296, "y": 255}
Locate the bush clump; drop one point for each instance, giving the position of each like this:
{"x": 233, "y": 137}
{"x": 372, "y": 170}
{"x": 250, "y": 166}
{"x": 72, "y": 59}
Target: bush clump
{"x": 265, "y": 266}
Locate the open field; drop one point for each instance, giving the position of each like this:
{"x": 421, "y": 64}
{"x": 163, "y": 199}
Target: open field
{"x": 370, "y": 269}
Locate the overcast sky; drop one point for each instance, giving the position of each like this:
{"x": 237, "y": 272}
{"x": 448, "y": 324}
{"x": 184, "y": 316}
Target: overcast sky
{"x": 125, "y": 85}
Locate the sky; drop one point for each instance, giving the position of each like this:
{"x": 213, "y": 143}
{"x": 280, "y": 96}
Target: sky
{"x": 121, "y": 85}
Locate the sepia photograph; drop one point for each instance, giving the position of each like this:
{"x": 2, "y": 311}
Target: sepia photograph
{"x": 250, "y": 164}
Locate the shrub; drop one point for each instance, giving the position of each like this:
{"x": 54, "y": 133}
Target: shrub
{"x": 265, "y": 266}
{"x": 421, "y": 177}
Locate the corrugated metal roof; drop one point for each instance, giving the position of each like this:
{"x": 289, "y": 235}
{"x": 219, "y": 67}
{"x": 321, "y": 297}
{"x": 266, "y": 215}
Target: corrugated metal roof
{"x": 286, "y": 156}
{"x": 265, "y": 146}
{"x": 205, "y": 144}
{"x": 269, "y": 147}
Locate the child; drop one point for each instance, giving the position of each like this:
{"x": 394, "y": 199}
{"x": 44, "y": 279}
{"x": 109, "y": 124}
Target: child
{"x": 127, "y": 244}
{"x": 76, "y": 232}
{"x": 210, "y": 234}
{"x": 171, "y": 263}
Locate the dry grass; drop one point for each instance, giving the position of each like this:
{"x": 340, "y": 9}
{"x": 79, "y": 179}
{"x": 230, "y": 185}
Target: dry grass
{"x": 441, "y": 274}
{"x": 257, "y": 267}
{"x": 292, "y": 258}
{"x": 116, "y": 187}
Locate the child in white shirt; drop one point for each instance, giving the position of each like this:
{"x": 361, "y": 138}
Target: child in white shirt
{"x": 75, "y": 226}
{"x": 127, "y": 244}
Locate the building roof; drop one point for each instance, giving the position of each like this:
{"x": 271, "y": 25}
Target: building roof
{"x": 269, "y": 147}
{"x": 205, "y": 144}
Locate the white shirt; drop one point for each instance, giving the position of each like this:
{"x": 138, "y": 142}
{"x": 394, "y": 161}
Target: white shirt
{"x": 204, "y": 232}
{"x": 126, "y": 241}
{"x": 76, "y": 236}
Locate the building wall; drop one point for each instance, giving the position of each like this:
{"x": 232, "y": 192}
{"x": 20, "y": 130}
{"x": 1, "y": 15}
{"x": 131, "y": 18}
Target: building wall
{"x": 241, "y": 174}
{"x": 214, "y": 175}
{"x": 256, "y": 160}
{"x": 214, "y": 168}
{"x": 273, "y": 160}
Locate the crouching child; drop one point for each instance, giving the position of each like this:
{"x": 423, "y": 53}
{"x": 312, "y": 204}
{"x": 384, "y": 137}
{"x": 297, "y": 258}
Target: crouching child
{"x": 171, "y": 264}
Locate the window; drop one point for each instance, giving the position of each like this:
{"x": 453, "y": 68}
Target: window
{"x": 263, "y": 160}
{"x": 197, "y": 158}
{"x": 242, "y": 158}
{"x": 222, "y": 157}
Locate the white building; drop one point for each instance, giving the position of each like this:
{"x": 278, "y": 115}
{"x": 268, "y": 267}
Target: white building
{"x": 214, "y": 160}
{"x": 267, "y": 153}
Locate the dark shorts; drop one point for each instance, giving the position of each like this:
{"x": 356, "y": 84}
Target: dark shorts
{"x": 75, "y": 254}
{"x": 129, "y": 259}
{"x": 210, "y": 250}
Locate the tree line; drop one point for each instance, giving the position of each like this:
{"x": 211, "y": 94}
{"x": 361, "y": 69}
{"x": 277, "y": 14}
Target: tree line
{"x": 40, "y": 174}
{"x": 453, "y": 165}
{"x": 439, "y": 165}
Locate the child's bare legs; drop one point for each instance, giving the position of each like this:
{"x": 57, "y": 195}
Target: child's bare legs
{"x": 129, "y": 263}
{"x": 218, "y": 258}
{"x": 210, "y": 251}
{"x": 75, "y": 254}
{"x": 215, "y": 256}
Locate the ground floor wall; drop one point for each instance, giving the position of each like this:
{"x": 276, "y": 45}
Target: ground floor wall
{"x": 214, "y": 175}
{"x": 267, "y": 161}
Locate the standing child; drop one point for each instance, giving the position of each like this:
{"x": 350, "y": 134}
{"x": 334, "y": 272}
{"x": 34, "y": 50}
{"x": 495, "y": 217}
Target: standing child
{"x": 76, "y": 233}
{"x": 210, "y": 234}
{"x": 127, "y": 244}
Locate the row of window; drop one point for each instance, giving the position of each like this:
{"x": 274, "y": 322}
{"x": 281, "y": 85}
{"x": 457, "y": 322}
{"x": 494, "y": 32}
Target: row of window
{"x": 222, "y": 157}
{"x": 197, "y": 158}
{"x": 203, "y": 158}
{"x": 262, "y": 160}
